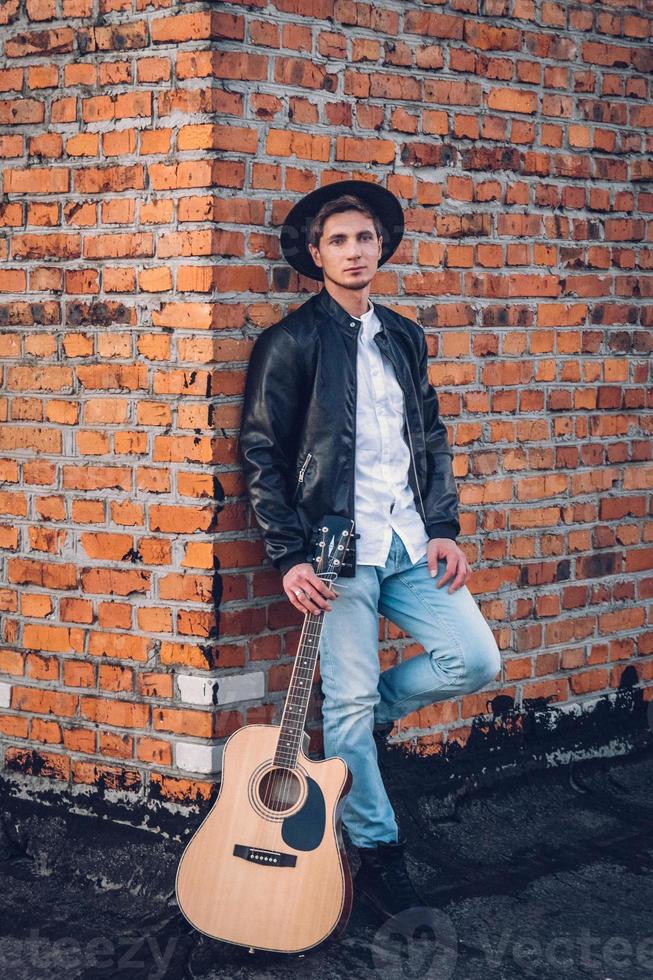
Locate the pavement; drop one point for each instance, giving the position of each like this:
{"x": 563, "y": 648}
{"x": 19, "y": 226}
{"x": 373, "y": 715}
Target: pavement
{"x": 545, "y": 874}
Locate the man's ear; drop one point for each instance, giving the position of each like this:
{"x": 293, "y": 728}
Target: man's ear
{"x": 315, "y": 255}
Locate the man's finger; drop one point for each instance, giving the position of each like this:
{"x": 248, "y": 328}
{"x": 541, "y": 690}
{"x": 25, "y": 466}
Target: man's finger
{"x": 292, "y": 599}
{"x": 305, "y": 604}
{"x": 459, "y": 579}
{"x": 324, "y": 588}
{"x": 310, "y": 595}
{"x": 452, "y": 564}
{"x": 463, "y": 574}
{"x": 433, "y": 563}
{"x": 321, "y": 601}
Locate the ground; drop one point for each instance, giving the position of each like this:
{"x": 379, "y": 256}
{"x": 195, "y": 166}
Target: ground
{"x": 548, "y": 875}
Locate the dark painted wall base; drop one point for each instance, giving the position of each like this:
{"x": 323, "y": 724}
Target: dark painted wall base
{"x": 51, "y": 824}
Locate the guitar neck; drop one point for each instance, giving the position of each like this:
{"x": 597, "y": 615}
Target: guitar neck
{"x": 293, "y": 720}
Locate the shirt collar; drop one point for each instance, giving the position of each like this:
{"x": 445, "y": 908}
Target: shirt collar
{"x": 370, "y": 322}
{"x": 368, "y": 312}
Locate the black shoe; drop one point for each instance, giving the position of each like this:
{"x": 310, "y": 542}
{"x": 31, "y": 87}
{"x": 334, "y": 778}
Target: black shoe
{"x": 380, "y": 734}
{"x": 381, "y": 730}
{"x": 382, "y": 879}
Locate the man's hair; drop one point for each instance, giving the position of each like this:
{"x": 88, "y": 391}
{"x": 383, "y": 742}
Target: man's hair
{"x": 346, "y": 202}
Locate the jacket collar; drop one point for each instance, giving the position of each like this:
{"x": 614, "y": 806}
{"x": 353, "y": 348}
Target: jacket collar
{"x": 338, "y": 314}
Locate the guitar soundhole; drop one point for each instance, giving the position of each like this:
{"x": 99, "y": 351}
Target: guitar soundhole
{"x": 279, "y": 789}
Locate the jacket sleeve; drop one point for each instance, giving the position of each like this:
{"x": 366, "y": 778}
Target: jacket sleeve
{"x": 270, "y": 420}
{"x": 441, "y": 497}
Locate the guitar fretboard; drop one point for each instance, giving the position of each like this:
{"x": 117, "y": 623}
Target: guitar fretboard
{"x": 293, "y": 720}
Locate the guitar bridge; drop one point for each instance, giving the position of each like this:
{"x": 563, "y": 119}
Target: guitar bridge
{"x": 261, "y": 855}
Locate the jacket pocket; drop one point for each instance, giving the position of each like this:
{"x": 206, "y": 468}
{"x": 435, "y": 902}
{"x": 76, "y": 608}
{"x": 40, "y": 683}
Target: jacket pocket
{"x": 302, "y": 473}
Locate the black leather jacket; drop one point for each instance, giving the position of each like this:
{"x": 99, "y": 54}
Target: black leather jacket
{"x": 297, "y": 436}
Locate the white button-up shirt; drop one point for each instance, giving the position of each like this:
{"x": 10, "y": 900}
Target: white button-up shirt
{"x": 383, "y": 499}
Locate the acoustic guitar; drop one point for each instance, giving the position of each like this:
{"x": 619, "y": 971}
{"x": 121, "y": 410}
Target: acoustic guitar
{"x": 267, "y": 868}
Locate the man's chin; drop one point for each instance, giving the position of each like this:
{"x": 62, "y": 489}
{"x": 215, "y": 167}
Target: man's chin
{"x": 356, "y": 281}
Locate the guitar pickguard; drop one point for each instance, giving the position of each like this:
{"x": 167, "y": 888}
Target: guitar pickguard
{"x": 304, "y": 830}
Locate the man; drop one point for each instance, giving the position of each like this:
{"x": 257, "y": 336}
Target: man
{"x": 339, "y": 417}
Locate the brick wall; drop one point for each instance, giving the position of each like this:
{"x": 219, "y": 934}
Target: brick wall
{"x": 150, "y": 152}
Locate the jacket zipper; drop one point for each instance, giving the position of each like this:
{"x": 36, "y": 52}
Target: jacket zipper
{"x": 410, "y": 444}
{"x": 412, "y": 457}
{"x": 352, "y": 483}
{"x": 300, "y": 478}
{"x": 353, "y": 471}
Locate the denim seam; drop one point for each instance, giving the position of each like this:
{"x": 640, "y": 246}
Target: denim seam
{"x": 409, "y": 697}
{"x": 454, "y": 639}
{"x": 323, "y": 661}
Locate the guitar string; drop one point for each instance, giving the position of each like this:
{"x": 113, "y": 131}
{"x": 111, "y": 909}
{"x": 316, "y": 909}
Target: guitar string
{"x": 288, "y": 775}
{"x": 310, "y": 620}
{"x": 281, "y": 788}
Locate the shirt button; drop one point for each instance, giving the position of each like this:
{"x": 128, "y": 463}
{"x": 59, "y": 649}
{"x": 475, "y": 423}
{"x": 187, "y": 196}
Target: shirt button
{"x": 352, "y": 324}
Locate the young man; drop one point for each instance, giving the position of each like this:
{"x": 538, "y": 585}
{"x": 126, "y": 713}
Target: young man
{"x": 339, "y": 418}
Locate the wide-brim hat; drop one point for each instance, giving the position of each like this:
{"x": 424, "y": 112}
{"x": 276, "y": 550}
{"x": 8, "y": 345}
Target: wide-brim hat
{"x": 295, "y": 228}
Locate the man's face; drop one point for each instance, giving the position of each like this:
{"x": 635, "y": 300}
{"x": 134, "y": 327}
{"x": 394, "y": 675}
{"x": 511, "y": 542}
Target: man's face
{"x": 349, "y": 249}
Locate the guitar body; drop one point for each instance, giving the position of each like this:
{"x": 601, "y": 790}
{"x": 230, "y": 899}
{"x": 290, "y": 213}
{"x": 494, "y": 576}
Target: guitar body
{"x": 267, "y": 867}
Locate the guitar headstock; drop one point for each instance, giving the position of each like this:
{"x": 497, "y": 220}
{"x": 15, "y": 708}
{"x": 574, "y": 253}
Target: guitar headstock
{"x": 332, "y": 539}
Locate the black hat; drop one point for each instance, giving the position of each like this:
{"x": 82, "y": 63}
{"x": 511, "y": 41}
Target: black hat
{"x": 293, "y": 234}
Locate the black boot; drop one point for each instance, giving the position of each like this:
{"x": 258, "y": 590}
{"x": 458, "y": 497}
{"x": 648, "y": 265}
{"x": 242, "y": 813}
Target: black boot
{"x": 380, "y": 733}
{"x": 382, "y": 879}
{"x": 381, "y": 730}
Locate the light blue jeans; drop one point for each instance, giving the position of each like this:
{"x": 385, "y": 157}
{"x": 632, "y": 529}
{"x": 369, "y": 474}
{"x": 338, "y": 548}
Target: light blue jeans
{"x": 460, "y": 656}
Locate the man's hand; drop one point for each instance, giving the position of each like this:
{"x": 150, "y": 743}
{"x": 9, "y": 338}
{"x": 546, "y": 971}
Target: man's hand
{"x": 456, "y": 562}
{"x": 314, "y": 592}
